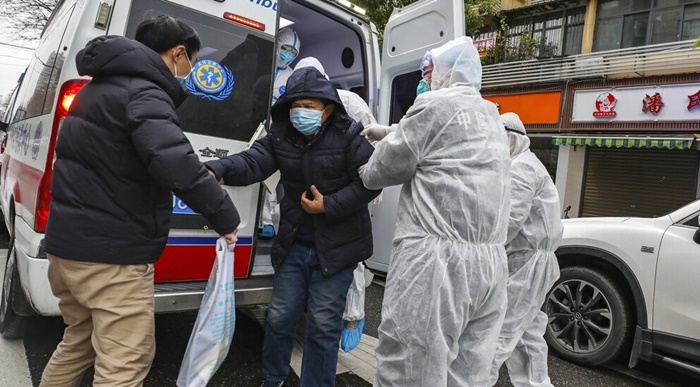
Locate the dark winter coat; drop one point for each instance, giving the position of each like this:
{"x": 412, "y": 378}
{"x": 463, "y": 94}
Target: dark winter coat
{"x": 330, "y": 161}
{"x": 119, "y": 155}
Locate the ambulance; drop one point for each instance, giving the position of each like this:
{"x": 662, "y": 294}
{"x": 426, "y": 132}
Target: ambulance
{"x": 220, "y": 117}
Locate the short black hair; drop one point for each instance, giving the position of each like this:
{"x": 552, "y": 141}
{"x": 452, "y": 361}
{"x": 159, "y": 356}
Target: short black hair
{"x": 163, "y": 32}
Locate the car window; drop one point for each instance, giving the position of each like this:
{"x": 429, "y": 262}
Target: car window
{"x": 230, "y": 90}
{"x": 692, "y": 221}
{"x": 37, "y": 83}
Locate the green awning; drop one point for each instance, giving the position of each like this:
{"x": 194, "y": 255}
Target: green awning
{"x": 630, "y": 142}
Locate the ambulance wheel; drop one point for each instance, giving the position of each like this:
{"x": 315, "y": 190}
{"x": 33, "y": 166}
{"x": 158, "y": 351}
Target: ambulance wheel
{"x": 12, "y": 325}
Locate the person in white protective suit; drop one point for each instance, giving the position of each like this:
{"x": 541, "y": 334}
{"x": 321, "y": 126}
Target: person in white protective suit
{"x": 288, "y": 46}
{"x": 354, "y": 314}
{"x": 445, "y": 293}
{"x": 534, "y": 232}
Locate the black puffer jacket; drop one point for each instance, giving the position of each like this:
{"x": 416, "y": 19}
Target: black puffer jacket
{"x": 330, "y": 161}
{"x": 119, "y": 155}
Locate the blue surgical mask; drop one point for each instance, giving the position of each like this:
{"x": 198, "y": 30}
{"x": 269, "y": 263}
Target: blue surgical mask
{"x": 423, "y": 87}
{"x": 306, "y": 121}
{"x": 286, "y": 56}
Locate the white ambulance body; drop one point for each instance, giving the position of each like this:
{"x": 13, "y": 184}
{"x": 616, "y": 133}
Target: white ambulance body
{"x": 220, "y": 117}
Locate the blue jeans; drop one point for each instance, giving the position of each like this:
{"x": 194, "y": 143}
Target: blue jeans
{"x": 299, "y": 283}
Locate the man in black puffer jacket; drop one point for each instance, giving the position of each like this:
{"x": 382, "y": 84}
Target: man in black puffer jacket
{"x": 325, "y": 228}
{"x": 119, "y": 156}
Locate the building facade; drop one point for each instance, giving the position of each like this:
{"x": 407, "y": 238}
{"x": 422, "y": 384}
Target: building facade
{"x": 611, "y": 102}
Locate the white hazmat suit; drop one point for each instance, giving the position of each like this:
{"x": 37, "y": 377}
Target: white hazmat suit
{"x": 445, "y": 293}
{"x": 283, "y": 70}
{"x": 534, "y": 232}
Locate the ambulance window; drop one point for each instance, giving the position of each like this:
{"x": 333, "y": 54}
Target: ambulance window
{"x": 403, "y": 94}
{"x": 231, "y": 94}
{"x": 9, "y": 109}
{"x": 36, "y": 84}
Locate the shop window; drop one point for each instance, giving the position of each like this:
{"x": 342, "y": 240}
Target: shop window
{"x": 633, "y": 23}
{"x": 634, "y": 30}
{"x": 691, "y": 22}
{"x": 607, "y": 35}
{"x": 547, "y": 153}
{"x": 667, "y": 23}
{"x": 557, "y": 33}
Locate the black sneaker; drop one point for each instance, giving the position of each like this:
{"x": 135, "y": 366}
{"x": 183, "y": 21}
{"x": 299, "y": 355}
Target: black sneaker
{"x": 265, "y": 383}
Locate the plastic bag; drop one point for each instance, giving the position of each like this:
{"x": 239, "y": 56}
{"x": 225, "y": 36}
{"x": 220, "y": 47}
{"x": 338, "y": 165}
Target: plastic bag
{"x": 213, "y": 330}
{"x": 354, "y": 315}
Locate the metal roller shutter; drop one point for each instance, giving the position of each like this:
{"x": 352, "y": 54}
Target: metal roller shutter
{"x": 638, "y": 182}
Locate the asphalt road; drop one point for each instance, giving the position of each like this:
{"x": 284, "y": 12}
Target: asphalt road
{"x": 243, "y": 365}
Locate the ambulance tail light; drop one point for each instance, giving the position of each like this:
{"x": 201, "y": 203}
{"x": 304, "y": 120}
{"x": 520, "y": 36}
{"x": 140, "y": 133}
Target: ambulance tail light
{"x": 43, "y": 197}
{"x": 245, "y": 21}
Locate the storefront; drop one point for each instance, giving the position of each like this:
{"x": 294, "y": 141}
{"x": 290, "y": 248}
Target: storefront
{"x": 642, "y": 159}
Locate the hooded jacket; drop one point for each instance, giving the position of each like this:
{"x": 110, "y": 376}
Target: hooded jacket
{"x": 330, "y": 161}
{"x": 119, "y": 156}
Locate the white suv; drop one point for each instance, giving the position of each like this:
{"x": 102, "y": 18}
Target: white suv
{"x": 628, "y": 286}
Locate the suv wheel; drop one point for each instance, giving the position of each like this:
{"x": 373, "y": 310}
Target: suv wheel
{"x": 590, "y": 320}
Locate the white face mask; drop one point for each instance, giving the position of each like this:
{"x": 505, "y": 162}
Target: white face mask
{"x": 183, "y": 80}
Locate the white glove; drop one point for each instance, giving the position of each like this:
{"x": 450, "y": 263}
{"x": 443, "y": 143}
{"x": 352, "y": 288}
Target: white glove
{"x": 376, "y": 132}
{"x": 361, "y": 170}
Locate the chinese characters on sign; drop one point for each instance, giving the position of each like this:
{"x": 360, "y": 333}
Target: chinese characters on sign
{"x": 648, "y": 103}
{"x": 604, "y": 104}
{"x": 652, "y": 104}
{"x": 694, "y": 101}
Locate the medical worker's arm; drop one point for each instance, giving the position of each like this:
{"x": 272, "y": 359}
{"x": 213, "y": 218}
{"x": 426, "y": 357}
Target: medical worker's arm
{"x": 522, "y": 194}
{"x": 396, "y": 157}
{"x": 250, "y": 166}
{"x": 354, "y": 196}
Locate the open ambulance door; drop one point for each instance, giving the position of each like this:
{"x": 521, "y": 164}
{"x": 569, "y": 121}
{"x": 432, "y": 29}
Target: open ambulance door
{"x": 410, "y": 32}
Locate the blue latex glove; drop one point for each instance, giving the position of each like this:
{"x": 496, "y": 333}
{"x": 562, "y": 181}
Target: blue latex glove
{"x": 350, "y": 338}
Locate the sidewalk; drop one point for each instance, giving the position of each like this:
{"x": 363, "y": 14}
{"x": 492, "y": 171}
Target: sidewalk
{"x": 361, "y": 361}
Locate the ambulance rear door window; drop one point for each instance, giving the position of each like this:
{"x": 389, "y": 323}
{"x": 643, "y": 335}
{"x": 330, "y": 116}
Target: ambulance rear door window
{"x": 229, "y": 89}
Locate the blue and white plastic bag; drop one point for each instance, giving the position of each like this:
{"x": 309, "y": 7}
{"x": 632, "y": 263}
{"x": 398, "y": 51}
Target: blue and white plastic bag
{"x": 213, "y": 330}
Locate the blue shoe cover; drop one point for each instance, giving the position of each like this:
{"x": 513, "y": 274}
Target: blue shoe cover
{"x": 350, "y": 338}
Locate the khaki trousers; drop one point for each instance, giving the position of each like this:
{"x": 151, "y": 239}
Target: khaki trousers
{"x": 109, "y": 313}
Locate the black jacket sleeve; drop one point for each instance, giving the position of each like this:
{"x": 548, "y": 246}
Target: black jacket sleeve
{"x": 250, "y": 166}
{"x": 170, "y": 159}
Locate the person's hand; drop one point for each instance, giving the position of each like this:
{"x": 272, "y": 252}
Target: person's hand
{"x": 313, "y": 206}
{"x": 221, "y": 181}
{"x": 232, "y": 237}
{"x": 375, "y": 132}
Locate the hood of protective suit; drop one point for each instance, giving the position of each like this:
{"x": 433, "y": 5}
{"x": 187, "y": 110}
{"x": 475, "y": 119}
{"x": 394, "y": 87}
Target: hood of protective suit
{"x": 287, "y": 36}
{"x": 311, "y": 62}
{"x": 456, "y": 62}
{"x": 517, "y": 138}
